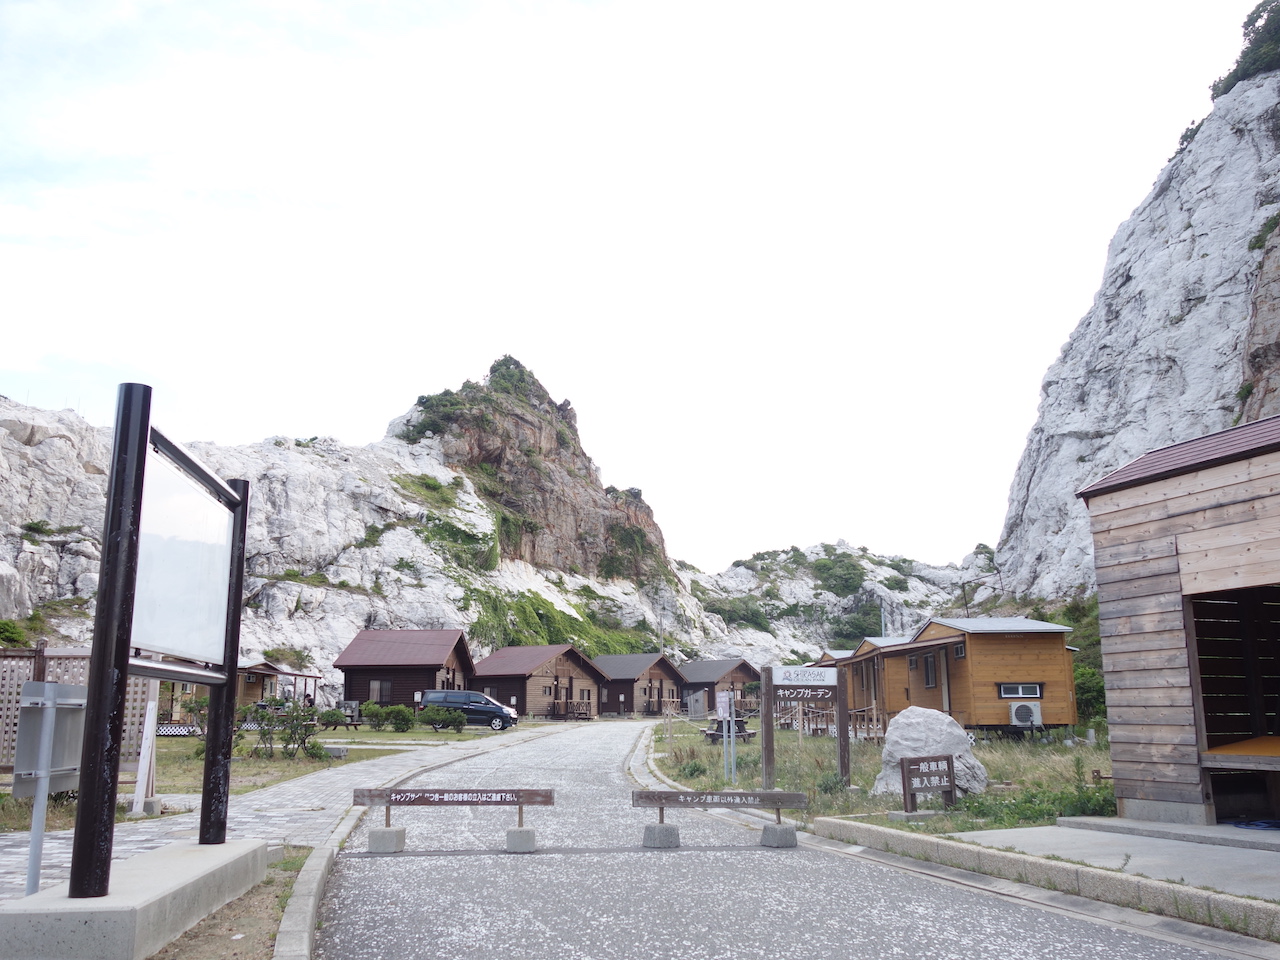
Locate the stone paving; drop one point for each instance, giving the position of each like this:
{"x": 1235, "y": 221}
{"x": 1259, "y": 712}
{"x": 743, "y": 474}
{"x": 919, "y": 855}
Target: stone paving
{"x": 303, "y": 811}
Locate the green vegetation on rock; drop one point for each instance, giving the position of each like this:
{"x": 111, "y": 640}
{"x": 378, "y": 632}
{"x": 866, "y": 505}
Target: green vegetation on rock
{"x": 528, "y": 619}
{"x": 1261, "y": 51}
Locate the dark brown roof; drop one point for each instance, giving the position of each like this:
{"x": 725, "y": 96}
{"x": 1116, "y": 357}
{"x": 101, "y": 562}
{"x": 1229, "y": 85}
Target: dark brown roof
{"x": 1237, "y": 443}
{"x": 404, "y": 648}
{"x": 712, "y": 671}
{"x": 525, "y": 661}
{"x": 629, "y": 666}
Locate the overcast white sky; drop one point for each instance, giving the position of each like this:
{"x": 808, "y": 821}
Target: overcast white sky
{"x": 799, "y": 266}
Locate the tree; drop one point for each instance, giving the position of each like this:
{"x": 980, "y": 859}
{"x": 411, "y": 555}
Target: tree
{"x": 1261, "y": 47}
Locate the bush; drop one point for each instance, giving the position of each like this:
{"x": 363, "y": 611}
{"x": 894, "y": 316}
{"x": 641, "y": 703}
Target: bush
{"x": 374, "y": 715}
{"x": 438, "y": 718}
{"x": 333, "y": 717}
{"x": 11, "y": 634}
{"x": 316, "y": 751}
{"x": 1261, "y": 47}
{"x": 830, "y": 782}
{"x": 692, "y": 769}
{"x": 400, "y": 717}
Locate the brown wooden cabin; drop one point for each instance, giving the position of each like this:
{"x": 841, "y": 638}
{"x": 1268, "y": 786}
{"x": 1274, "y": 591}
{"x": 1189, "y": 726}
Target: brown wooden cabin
{"x": 390, "y": 666}
{"x": 1187, "y": 551}
{"x": 553, "y": 681}
{"x": 1004, "y": 673}
{"x": 644, "y": 683}
{"x": 705, "y": 678}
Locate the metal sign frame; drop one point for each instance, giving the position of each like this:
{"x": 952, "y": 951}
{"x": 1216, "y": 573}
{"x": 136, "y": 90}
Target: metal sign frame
{"x": 111, "y": 661}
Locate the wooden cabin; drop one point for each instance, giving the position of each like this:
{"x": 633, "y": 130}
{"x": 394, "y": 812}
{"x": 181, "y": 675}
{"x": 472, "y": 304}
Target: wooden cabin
{"x": 554, "y": 681}
{"x": 390, "y": 666}
{"x": 1001, "y": 673}
{"x": 703, "y": 679}
{"x": 639, "y": 683}
{"x": 1187, "y": 551}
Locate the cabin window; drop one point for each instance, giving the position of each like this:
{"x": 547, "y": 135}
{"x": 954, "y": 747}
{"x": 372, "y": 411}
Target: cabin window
{"x": 958, "y": 651}
{"x": 380, "y": 691}
{"x": 584, "y": 694}
{"x": 491, "y": 692}
{"x": 913, "y": 661}
{"x": 604, "y": 695}
{"x": 546, "y": 691}
{"x": 248, "y": 678}
{"x": 1020, "y": 691}
{"x": 930, "y": 670}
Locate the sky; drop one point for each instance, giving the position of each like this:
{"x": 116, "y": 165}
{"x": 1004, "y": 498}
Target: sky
{"x": 800, "y": 267}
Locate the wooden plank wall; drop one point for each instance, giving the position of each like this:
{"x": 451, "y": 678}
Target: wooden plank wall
{"x": 1209, "y": 530}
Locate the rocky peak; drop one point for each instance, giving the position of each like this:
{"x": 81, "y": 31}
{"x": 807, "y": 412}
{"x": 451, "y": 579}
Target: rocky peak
{"x": 522, "y": 452}
{"x": 1182, "y": 339}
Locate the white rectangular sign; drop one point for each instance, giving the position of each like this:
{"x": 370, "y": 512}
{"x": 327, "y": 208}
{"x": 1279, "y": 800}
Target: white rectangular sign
{"x": 184, "y": 562}
{"x": 804, "y": 676}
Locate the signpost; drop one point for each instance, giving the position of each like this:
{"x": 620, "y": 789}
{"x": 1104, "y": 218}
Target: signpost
{"x": 801, "y": 685}
{"x": 171, "y": 580}
{"x": 927, "y": 776}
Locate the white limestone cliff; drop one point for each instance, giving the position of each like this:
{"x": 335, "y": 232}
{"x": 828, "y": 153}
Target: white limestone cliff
{"x": 1180, "y": 342}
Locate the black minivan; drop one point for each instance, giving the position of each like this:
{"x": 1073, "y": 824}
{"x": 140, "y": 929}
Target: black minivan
{"x": 479, "y": 708}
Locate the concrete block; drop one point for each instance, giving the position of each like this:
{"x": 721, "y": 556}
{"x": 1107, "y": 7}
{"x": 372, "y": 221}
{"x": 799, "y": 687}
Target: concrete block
{"x": 1110, "y": 886}
{"x": 152, "y": 806}
{"x": 337, "y": 752}
{"x": 778, "y": 835}
{"x": 965, "y": 856}
{"x": 520, "y": 840}
{"x": 386, "y": 839}
{"x": 153, "y": 898}
{"x": 1261, "y": 919}
{"x": 662, "y": 836}
{"x": 1173, "y": 900}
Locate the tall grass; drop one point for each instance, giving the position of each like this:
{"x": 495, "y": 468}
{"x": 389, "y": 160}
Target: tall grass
{"x": 1031, "y": 782}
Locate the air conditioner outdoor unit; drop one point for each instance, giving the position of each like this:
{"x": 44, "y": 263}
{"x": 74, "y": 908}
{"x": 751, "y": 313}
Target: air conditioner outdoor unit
{"x": 1023, "y": 713}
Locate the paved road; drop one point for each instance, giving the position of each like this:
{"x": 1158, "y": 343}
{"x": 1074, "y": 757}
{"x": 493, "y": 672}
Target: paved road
{"x": 304, "y": 811}
{"x": 592, "y": 892}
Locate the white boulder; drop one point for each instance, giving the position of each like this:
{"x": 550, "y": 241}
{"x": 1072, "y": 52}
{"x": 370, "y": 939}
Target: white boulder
{"x": 921, "y": 732}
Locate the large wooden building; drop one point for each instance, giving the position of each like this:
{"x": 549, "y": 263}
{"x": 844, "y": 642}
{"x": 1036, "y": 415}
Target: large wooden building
{"x": 1187, "y": 550}
{"x": 550, "y": 681}
{"x": 390, "y": 666}
{"x": 986, "y": 672}
{"x": 645, "y": 683}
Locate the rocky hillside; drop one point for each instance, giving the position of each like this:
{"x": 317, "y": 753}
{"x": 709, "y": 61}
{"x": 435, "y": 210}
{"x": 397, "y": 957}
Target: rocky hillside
{"x": 479, "y": 509}
{"x": 1183, "y": 338}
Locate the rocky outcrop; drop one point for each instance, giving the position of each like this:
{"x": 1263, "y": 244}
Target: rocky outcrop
{"x": 523, "y": 452}
{"x": 1181, "y": 341}
{"x": 921, "y": 732}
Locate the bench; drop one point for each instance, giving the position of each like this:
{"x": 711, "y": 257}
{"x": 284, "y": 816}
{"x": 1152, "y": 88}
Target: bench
{"x": 716, "y": 735}
{"x": 345, "y": 724}
{"x": 391, "y": 840}
{"x": 665, "y": 835}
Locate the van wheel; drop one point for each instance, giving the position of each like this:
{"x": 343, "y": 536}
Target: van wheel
{"x": 437, "y": 727}
{"x": 497, "y": 724}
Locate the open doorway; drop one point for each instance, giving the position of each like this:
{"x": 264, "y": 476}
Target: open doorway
{"x": 1237, "y": 644}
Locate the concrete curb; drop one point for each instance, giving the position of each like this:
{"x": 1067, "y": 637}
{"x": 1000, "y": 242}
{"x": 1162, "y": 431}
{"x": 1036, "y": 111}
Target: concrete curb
{"x": 1255, "y": 918}
{"x": 296, "y": 937}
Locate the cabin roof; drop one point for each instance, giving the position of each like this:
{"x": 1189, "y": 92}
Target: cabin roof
{"x": 628, "y": 666}
{"x": 403, "y": 648}
{"x": 524, "y": 661}
{"x": 711, "y": 671}
{"x": 1225, "y": 446}
{"x": 995, "y": 625}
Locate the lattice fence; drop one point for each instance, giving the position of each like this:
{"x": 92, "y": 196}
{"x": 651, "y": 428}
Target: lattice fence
{"x": 69, "y": 665}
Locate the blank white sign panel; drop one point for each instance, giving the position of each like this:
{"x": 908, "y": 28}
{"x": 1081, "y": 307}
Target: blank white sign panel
{"x": 184, "y": 562}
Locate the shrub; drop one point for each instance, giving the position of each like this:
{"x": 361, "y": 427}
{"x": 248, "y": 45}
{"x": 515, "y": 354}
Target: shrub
{"x": 316, "y": 751}
{"x": 692, "y": 769}
{"x": 298, "y": 725}
{"x": 11, "y": 634}
{"x": 830, "y": 782}
{"x": 333, "y": 717}
{"x": 373, "y": 713}
{"x": 438, "y": 717}
{"x": 400, "y": 717}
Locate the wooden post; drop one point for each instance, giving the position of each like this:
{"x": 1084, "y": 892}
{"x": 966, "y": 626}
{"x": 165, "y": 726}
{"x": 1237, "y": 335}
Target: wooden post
{"x": 842, "y": 726}
{"x": 766, "y": 728}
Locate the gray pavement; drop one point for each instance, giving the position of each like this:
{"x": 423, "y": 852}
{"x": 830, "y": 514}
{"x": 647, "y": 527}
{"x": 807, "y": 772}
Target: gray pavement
{"x": 592, "y": 892}
{"x": 304, "y": 811}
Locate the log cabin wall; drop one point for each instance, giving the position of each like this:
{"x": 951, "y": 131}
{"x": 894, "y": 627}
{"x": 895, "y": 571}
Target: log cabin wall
{"x": 1157, "y": 545}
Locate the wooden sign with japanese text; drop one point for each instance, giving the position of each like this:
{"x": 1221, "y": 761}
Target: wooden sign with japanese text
{"x": 926, "y": 776}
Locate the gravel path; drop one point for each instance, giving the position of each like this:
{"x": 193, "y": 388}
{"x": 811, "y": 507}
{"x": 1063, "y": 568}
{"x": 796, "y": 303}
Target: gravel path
{"x": 592, "y": 892}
